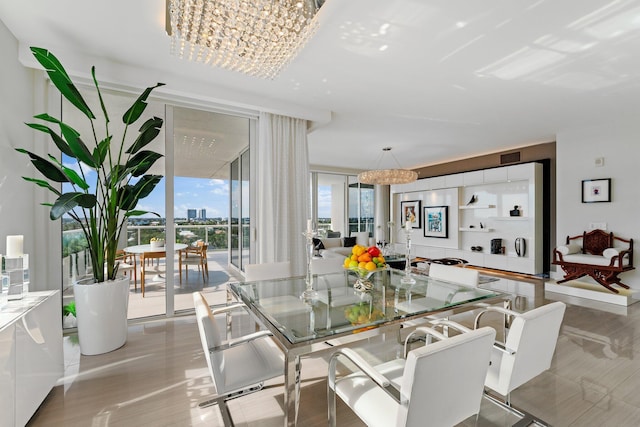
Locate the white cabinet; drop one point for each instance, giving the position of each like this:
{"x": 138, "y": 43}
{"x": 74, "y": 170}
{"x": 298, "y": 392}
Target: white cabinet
{"x": 31, "y": 346}
{"x": 7, "y": 375}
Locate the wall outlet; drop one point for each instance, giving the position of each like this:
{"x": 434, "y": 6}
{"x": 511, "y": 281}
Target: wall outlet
{"x": 598, "y": 225}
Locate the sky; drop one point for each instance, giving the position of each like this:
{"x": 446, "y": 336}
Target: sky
{"x": 191, "y": 193}
{"x": 197, "y": 193}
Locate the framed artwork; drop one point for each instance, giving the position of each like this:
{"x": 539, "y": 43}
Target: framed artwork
{"x": 596, "y": 190}
{"x": 436, "y": 221}
{"x": 410, "y": 210}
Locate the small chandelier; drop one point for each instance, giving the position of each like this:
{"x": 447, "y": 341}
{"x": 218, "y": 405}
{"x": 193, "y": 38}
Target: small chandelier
{"x": 255, "y": 37}
{"x": 387, "y": 176}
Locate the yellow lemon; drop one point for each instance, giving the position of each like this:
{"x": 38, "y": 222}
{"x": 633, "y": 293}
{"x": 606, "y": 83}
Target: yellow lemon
{"x": 362, "y": 265}
{"x": 353, "y": 264}
{"x": 370, "y": 266}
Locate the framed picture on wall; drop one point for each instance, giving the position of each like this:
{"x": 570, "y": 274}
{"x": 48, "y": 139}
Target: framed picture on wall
{"x": 596, "y": 190}
{"x": 436, "y": 221}
{"x": 410, "y": 211}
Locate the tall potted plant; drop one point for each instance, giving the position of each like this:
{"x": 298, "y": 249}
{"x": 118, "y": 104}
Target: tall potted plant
{"x": 102, "y": 204}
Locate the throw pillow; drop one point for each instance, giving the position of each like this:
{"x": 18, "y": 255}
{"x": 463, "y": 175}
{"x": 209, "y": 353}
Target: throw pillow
{"x": 610, "y": 253}
{"x": 569, "y": 249}
{"x": 349, "y": 242}
{"x": 332, "y": 234}
{"x": 317, "y": 243}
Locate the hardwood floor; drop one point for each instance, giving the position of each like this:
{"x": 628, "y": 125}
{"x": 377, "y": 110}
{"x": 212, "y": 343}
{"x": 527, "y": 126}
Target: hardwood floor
{"x": 160, "y": 375}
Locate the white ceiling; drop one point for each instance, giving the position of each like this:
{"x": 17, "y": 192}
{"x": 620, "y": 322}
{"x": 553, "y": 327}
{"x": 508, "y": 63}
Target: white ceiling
{"x": 435, "y": 80}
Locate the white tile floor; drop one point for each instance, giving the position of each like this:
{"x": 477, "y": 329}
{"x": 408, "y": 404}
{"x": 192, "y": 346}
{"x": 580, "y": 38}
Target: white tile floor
{"x": 159, "y": 377}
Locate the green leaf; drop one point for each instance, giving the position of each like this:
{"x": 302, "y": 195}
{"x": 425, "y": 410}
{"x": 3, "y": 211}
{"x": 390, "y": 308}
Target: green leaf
{"x": 61, "y": 79}
{"x": 60, "y": 143}
{"x": 101, "y": 151}
{"x": 140, "y": 213}
{"x": 95, "y": 83}
{"x": 75, "y": 178}
{"x": 131, "y": 194}
{"x": 141, "y": 162}
{"x": 138, "y": 107}
{"x": 69, "y": 201}
{"x": 43, "y": 184}
{"x": 148, "y": 132}
{"x": 78, "y": 148}
{"x": 46, "y": 168}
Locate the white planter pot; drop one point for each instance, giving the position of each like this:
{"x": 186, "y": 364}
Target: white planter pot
{"x": 101, "y": 312}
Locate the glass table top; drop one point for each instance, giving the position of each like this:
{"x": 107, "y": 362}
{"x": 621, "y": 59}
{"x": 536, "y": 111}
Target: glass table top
{"x": 339, "y": 308}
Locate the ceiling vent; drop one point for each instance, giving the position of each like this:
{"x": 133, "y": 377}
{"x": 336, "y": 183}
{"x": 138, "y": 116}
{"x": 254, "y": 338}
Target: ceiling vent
{"x": 510, "y": 158}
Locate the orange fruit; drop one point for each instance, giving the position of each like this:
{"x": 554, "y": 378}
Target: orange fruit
{"x": 365, "y": 257}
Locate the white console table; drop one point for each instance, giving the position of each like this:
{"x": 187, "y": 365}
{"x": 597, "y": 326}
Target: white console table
{"x": 31, "y": 359}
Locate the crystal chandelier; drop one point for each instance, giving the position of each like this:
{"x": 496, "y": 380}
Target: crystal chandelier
{"x": 255, "y": 37}
{"x": 387, "y": 176}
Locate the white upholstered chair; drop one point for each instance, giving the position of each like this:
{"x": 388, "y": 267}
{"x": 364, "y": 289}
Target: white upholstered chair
{"x": 449, "y": 273}
{"x": 238, "y": 366}
{"x": 267, "y": 271}
{"x": 362, "y": 237}
{"x": 525, "y": 354}
{"x": 439, "y": 384}
{"x": 327, "y": 265}
{"x": 276, "y": 304}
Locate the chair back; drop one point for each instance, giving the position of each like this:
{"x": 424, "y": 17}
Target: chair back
{"x": 460, "y": 275}
{"x": 533, "y": 335}
{"x": 362, "y": 237}
{"x": 327, "y": 265}
{"x": 152, "y": 255}
{"x": 209, "y": 337}
{"x": 442, "y": 383}
{"x": 267, "y": 271}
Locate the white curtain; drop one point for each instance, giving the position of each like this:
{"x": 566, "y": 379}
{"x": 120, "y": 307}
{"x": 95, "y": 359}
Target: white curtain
{"x": 283, "y": 190}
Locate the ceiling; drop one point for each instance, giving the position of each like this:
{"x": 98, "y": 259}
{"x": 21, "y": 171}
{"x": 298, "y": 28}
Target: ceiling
{"x": 435, "y": 80}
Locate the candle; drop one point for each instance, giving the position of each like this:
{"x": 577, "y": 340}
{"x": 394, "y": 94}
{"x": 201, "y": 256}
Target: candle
{"x": 309, "y": 226}
{"x": 14, "y": 246}
{"x": 407, "y": 225}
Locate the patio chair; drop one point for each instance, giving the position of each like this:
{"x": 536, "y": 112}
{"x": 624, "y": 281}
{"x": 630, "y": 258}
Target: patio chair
{"x": 147, "y": 266}
{"x": 195, "y": 256}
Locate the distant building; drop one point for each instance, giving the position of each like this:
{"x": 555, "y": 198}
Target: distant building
{"x": 191, "y": 214}
{"x": 203, "y": 214}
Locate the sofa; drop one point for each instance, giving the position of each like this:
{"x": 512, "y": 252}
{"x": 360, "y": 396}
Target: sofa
{"x": 340, "y": 246}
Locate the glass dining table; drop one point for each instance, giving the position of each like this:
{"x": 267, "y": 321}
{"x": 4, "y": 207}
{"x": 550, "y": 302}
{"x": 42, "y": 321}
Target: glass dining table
{"x": 303, "y": 326}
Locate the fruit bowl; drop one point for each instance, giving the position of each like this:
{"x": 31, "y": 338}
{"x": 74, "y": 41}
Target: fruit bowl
{"x": 364, "y": 262}
{"x": 362, "y": 314}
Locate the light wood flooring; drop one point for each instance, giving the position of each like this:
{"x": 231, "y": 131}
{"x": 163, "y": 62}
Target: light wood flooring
{"x": 160, "y": 375}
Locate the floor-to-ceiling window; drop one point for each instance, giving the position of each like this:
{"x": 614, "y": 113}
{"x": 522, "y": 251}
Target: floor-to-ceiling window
{"x": 200, "y": 148}
{"x": 342, "y": 204}
{"x": 240, "y": 211}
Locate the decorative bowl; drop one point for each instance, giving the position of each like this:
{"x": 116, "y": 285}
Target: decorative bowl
{"x": 363, "y": 283}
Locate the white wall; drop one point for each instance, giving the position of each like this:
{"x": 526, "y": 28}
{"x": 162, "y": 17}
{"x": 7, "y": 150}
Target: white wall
{"x": 16, "y": 93}
{"x": 20, "y": 210}
{"x": 619, "y": 144}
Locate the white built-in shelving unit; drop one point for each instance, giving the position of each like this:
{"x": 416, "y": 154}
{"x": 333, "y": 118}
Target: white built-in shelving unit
{"x": 496, "y": 192}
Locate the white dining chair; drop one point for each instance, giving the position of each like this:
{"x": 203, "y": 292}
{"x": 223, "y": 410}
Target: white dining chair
{"x": 238, "y": 366}
{"x": 525, "y": 354}
{"x": 439, "y": 384}
{"x": 449, "y": 273}
{"x": 276, "y": 304}
{"x": 267, "y": 271}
